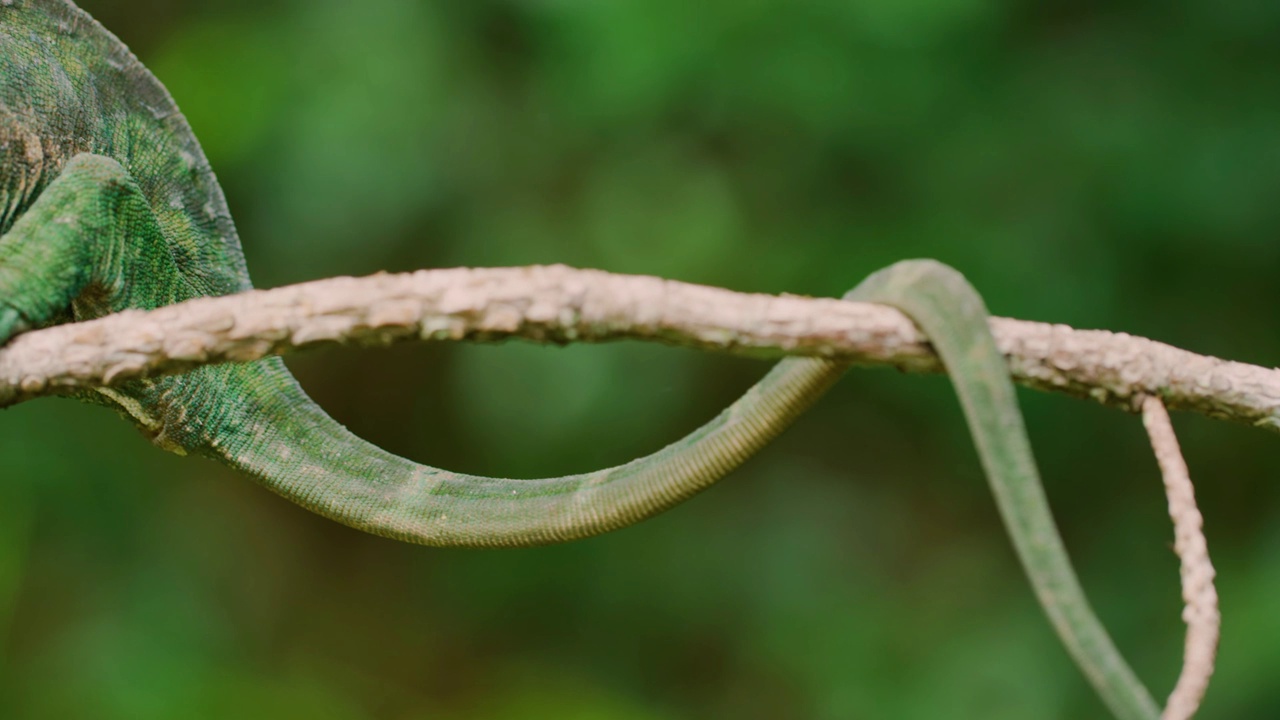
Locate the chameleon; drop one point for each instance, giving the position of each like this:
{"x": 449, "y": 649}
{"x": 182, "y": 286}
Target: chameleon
{"x": 107, "y": 202}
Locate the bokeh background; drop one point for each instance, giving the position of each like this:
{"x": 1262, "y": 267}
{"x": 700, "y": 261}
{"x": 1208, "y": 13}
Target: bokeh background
{"x": 1103, "y": 164}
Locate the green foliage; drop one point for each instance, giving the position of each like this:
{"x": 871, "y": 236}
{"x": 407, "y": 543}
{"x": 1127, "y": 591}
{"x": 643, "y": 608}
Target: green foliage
{"x": 1102, "y": 164}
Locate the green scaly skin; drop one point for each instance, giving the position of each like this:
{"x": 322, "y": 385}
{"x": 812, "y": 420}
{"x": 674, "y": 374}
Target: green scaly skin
{"x": 107, "y": 203}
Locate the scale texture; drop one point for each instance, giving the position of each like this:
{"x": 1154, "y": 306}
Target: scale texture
{"x": 108, "y": 203}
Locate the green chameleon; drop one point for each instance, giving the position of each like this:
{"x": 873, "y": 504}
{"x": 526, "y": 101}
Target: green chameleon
{"x": 107, "y": 202}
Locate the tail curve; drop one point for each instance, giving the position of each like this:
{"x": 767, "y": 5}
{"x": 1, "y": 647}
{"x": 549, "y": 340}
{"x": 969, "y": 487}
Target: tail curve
{"x": 257, "y": 419}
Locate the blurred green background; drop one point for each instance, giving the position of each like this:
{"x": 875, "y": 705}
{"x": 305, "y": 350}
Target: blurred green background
{"x": 1103, "y": 164}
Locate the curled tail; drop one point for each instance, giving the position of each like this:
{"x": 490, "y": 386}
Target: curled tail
{"x": 257, "y": 419}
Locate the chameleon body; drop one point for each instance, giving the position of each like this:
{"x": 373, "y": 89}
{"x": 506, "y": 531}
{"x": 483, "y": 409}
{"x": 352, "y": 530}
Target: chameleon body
{"x": 107, "y": 203}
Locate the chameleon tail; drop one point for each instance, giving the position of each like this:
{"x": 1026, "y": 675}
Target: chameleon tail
{"x": 257, "y": 419}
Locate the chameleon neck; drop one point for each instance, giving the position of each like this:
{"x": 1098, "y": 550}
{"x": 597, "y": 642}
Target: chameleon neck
{"x": 257, "y": 419}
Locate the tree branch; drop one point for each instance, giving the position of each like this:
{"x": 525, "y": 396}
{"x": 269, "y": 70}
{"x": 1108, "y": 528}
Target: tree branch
{"x": 1200, "y": 612}
{"x": 558, "y": 304}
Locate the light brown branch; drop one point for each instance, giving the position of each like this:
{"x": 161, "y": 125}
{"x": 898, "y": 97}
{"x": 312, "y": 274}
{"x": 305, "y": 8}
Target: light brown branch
{"x": 559, "y": 304}
{"x": 1200, "y": 611}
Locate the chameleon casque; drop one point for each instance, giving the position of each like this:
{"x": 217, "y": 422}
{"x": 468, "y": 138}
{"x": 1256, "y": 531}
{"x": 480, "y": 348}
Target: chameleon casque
{"x": 107, "y": 202}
